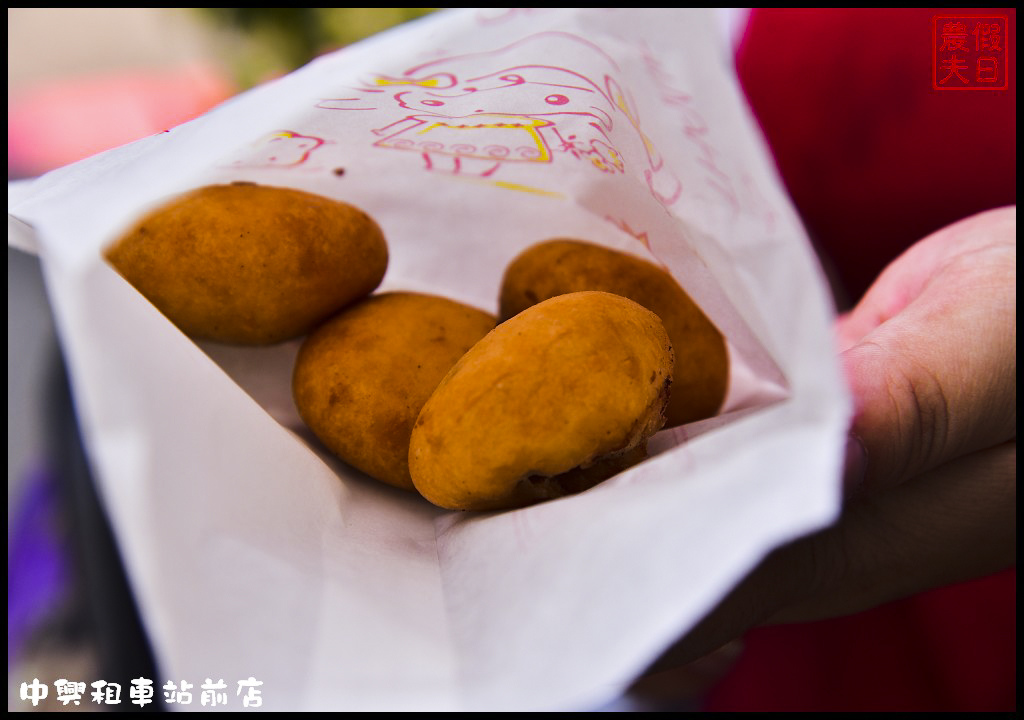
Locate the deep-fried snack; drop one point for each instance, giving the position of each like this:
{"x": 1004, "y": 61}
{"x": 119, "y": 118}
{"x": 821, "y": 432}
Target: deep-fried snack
{"x": 362, "y": 377}
{"x": 559, "y": 266}
{"x": 550, "y": 402}
{"x": 251, "y": 264}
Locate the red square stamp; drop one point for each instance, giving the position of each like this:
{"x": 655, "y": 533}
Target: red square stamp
{"x": 969, "y": 52}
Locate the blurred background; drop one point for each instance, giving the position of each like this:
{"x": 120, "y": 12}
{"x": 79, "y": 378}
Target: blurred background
{"x": 81, "y": 81}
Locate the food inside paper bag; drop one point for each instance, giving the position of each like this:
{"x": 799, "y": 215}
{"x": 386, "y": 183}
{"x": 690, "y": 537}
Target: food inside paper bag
{"x": 258, "y": 265}
{"x": 550, "y": 402}
{"x": 251, "y": 264}
{"x": 700, "y": 376}
{"x": 361, "y": 379}
{"x": 468, "y": 138}
{"x": 229, "y": 261}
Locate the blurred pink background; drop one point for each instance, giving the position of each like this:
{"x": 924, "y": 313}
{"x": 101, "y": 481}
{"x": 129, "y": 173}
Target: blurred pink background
{"x": 83, "y": 80}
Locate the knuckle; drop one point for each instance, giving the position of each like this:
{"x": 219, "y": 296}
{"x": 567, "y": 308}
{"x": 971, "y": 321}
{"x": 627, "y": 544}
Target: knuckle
{"x": 922, "y": 410}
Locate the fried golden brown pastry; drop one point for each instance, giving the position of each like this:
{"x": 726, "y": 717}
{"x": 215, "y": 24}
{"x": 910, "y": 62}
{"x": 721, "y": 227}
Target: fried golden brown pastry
{"x": 550, "y": 402}
{"x": 361, "y": 378}
{"x": 555, "y": 267}
{"x": 251, "y": 264}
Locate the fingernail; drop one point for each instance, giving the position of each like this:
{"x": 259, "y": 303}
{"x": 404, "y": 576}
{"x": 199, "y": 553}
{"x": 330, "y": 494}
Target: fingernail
{"x": 855, "y": 465}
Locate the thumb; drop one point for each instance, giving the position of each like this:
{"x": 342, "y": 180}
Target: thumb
{"x": 935, "y": 377}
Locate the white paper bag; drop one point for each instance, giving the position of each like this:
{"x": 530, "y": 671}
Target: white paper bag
{"x": 468, "y": 136}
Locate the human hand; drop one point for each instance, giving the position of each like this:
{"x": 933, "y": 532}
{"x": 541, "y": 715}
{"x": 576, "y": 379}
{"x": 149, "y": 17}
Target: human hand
{"x": 930, "y": 352}
{"x": 930, "y": 356}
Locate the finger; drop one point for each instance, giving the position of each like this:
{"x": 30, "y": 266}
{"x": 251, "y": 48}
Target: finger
{"x": 935, "y": 378}
{"x": 907, "y": 276}
{"x": 851, "y": 327}
{"x": 953, "y": 524}
{"x": 678, "y": 687}
{"x": 890, "y": 294}
{"x": 932, "y": 384}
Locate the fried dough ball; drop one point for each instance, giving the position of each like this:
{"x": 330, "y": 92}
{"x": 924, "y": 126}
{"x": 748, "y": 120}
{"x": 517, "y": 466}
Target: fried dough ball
{"x": 251, "y": 264}
{"x": 361, "y": 378}
{"x": 559, "y": 266}
{"x": 552, "y": 401}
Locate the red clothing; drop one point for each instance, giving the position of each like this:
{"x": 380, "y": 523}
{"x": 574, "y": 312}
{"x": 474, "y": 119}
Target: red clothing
{"x": 952, "y": 649}
{"x": 876, "y": 158}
